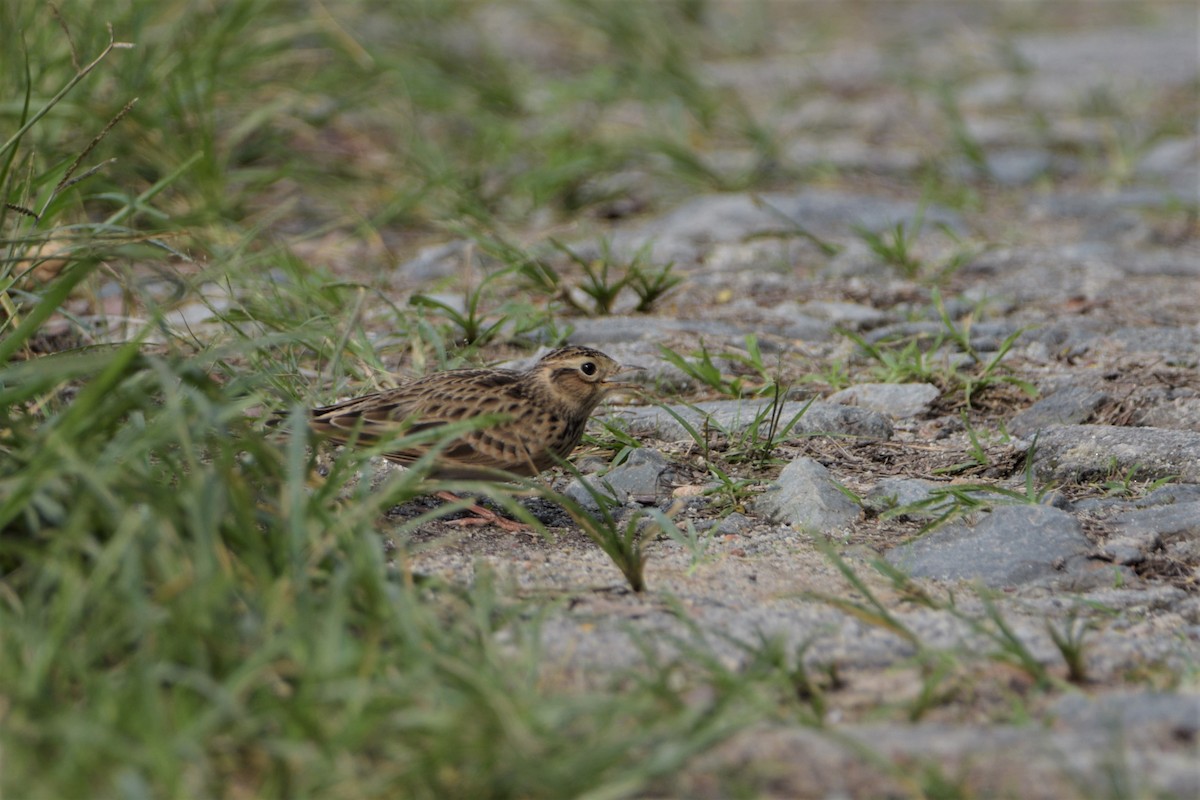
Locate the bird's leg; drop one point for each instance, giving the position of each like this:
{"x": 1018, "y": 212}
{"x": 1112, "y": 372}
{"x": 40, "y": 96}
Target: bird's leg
{"x": 483, "y": 516}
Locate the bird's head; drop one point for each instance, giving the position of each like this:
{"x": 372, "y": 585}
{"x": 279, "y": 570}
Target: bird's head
{"x": 580, "y": 376}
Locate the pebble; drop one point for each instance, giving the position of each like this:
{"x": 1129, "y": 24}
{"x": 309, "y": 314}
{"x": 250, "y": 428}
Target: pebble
{"x": 1009, "y": 546}
{"x": 1134, "y": 535}
{"x": 807, "y": 497}
{"x": 685, "y": 234}
{"x": 892, "y": 493}
{"x": 1083, "y": 453}
{"x": 640, "y": 478}
{"x": 897, "y": 400}
{"x": 738, "y": 417}
{"x": 1068, "y": 406}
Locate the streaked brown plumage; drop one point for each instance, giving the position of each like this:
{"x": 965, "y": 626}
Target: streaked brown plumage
{"x": 541, "y": 411}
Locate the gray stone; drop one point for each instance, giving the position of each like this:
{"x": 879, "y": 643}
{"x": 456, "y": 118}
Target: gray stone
{"x": 1160, "y": 339}
{"x": 1163, "y": 522}
{"x": 637, "y": 478}
{"x": 1173, "y": 262}
{"x": 897, "y": 400}
{"x": 1067, "y": 67}
{"x": 1093, "y": 205}
{"x": 1082, "y": 453}
{"x": 854, "y": 260}
{"x": 1172, "y": 493}
{"x": 1019, "y": 166}
{"x": 1027, "y": 761}
{"x": 433, "y": 263}
{"x": 1065, "y": 407}
{"x": 578, "y": 490}
{"x": 1164, "y": 495}
{"x": 1009, "y": 546}
{"x": 640, "y": 475}
{"x": 1169, "y": 156}
{"x": 685, "y": 233}
{"x": 926, "y": 329}
{"x": 1169, "y": 494}
{"x": 851, "y": 154}
{"x": 1177, "y": 714}
{"x": 785, "y": 322}
{"x": 1124, "y": 553}
{"x": 984, "y": 337}
{"x": 736, "y": 417}
{"x": 1135, "y": 534}
{"x": 1012, "y": 166}
{"x": 806, "y": 496}
{"x": 846, "y": 315}
{"x": 778, "y": 323}
{"x": 604, "y": 330}
{"x": 989, "y": 337}
{"x": 1031, "y": 274}
{"x": 1186, "y": 551}
{"x": 892, "y": 493}
{"x": 735, "y": 523}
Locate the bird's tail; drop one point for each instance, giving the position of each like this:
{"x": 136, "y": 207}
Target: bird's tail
{"x": 278, "y": 419}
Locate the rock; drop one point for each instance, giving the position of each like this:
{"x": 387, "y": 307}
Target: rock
{"x": 984, "y": 337}
{"x": 734, "y": 524}
{"x": 1136, "y": 534}
{"x": 637, "y": 478}
{"x": 640, "y": 475}
{"x": 806, "y": 496}
{"x": 897, "y": 400}
{"x": 1032, "y": 273}
{"x": 433, "y": 263}
{"x": 855, "y": 260}
{"x": 892, "y": 493}
{"x": 1065, "y": 407}
{"x": 921, "y": 329}
{"x": 1165, "y": 715}
{"x": 989, "y": 337}
{"x": 1163, "y": 522}
{"x": 1029, "y": 761}
{"x": 605, "y": 330}
{"x": 849, "y": 154}
{"x": 1012, "y": 166}
{"x": 1094, "y": 206}
{"x": 1161, "y": 262}
{"x": 1168, "y": 156}
{"x": 1172, "y": 493}
{"x": 845, "y": 315}
{"x": 1019, "y": 166}
{"x": 1164, "y": 495}
{"x": 1009, "y": 546}
{"x": 737, "y": 417}
{"x": 686, "y": 233}
{"x": 1082, "y": 453}
{"x": 1160, "y": 339}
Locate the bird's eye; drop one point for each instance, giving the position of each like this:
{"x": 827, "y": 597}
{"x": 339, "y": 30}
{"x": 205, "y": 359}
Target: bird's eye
{"x": 587, "y": 368}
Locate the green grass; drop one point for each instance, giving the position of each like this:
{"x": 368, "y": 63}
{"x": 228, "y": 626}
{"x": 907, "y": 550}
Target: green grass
{"x": 923, "y": 357}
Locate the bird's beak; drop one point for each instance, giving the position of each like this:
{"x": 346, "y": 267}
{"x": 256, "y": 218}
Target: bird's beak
{"x": 624, "y": 371}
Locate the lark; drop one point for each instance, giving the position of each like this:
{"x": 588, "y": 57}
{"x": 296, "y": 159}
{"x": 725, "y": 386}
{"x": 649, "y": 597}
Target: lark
{"x": 529, "y": 419}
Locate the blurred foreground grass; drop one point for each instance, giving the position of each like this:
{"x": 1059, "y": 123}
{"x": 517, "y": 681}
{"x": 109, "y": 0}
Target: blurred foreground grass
{"x": 181, "y": 613}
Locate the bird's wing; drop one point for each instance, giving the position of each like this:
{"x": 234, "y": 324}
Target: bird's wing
{"x": 425, "y": 405}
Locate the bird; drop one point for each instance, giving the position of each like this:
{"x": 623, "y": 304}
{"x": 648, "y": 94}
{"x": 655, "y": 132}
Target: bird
{"x": 528, "y": 419}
